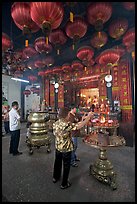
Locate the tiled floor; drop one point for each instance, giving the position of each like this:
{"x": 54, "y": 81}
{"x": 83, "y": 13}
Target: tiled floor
{"x": 28, "y": 178}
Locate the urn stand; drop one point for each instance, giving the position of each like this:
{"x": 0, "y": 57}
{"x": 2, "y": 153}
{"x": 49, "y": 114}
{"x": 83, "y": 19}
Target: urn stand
{"x": 38, "y": 131}
{"x": 102, "y": 169}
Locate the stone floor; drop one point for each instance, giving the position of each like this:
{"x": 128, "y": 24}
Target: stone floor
{"x": 28, "y": 178}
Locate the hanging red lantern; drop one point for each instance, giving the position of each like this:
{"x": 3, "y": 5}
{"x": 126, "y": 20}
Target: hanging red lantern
{"x": 20, "y": 12}
{"x": 129, "y": 39}
{"x": 32, "y": 78}
{"x": 27, "y": 93}
{"x": 99, "y": 39}
{"x": 108, "y": 57}
{"x": 57, "y": 38}
{"x": 47, "y": 15}
{"x": 66, "y": 68}
{"x": 39, "y": 63}
{"x": 76, "y": 30}
{"x": 31, "y": 65}
{"x": 85, "y": 53}
{"x": 48, "y": 61}
{"x": 118, "y": 27}
{"x": 99, "y": 13}
{"x": 6, "y": 42}
{"x": 77, "y": 66}
{"x": 41, "y": 73}
{"x": 120, "y": 49}
{"x": 89, "y": 63}
{"x": 41, "y": 46}
{"x": 29, "y": 51}
{"x": 129, "y": 5}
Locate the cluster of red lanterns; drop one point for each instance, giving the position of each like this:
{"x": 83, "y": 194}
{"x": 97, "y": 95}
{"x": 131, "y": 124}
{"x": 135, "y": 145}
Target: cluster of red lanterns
{"x": 6, "y": 42}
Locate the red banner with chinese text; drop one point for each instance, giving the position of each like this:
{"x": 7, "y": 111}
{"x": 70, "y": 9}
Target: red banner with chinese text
{"x": 125, "y": 90}
{"x": 46, "y": 87}
{"x": 52, "y": 96}
{"x": 61, "y": 96}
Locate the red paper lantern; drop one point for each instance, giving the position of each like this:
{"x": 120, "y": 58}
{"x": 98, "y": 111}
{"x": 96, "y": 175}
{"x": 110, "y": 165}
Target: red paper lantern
{"x": 29, "y": 51}
{"x": 27, "y": 93}
{"x": 85, "y": 53}
{"x": 129, "y": 5}
{"x": 57, "y": 38}
{"x": 20, "y": 12}
{"x": 57, "y": 70}
{"x": 31, "y": 65}
{"x": 99, "y": 39}
{"x": 6, "y": 42}
{"x": 120, "y": 49}
{"x": 77, "y": 29}
{"x": 47, "y": 15}
{"x": 39, "y": 63}
{"x": 41, "y": 73}
{"x": 99, "y": 13}
{"x": 41, "y": 46}
{"x": 76, "y": 66}
{"x": 129, "y": 39}
{"x": 118, "y": 27}
{"x": 32, "y": 78}
{"x": 48, "y": 61}
{"x": 66, "y": 67}
{"x": 108, "y": 57}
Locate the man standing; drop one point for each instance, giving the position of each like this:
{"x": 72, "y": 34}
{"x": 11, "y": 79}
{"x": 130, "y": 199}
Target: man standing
{"x": 14, "y": 121}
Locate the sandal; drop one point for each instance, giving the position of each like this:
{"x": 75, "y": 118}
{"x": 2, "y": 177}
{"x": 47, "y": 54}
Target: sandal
{"x": 66, "y": 186}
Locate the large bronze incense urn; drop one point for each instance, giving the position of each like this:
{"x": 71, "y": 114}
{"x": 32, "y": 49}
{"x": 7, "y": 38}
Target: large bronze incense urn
{"x": 38, "y": 131}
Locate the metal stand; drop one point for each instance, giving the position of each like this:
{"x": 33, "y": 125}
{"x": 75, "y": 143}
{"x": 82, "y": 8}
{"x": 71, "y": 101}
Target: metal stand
{"x": 102, "y": 169}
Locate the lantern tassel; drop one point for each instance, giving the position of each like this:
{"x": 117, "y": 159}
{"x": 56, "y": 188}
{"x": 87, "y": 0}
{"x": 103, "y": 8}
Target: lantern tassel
{"x": 58, "y": 51}
{"x": 26, "y": 43}
{"x": 71, "y": 17}
{"x": 47, "y": 40}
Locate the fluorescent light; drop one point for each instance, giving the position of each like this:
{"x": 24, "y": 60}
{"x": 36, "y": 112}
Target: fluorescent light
{"x": 22, "y": 80}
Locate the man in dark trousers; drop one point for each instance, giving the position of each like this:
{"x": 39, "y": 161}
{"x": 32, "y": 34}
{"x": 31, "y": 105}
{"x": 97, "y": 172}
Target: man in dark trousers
{"x": 14, "y": 121}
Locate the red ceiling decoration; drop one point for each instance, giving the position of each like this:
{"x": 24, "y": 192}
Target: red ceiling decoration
{"x": 20, "y": 12}
{"x": 118, "y": 27}
{"x": 99, "y": 13}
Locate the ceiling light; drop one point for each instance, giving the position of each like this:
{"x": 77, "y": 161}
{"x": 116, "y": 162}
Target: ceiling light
{"x": 21, "y": 80}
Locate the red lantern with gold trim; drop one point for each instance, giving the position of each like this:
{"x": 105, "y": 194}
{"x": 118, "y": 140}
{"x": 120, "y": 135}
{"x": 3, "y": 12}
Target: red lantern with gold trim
{"x": 99, "y": 39}
{"x": 39, "y": 63}
{"x": 120, "y": 49}
{"x": 108, "y": 57}
{"x": 47, "y": 15}
{"x": 118, "y": 27}
{"x": 20, "y": 12}
{"x": 29, "y": 51}
{"x": 57, "y": 38}
{"x": 66, "y": 68}
{"x": 77, "y": 66}
{"x": 129, "y": 39}
{"x": 85, "y": 53}
{"x": 6, "y": 42}
{"x": 99, "y": 13}
{"x": 32, "y": 78}
{"x": 76, "y": 30}
{"x": 48, "y": 61}
{"x": 41, "y": 73}
{"x": 41, "y": 46}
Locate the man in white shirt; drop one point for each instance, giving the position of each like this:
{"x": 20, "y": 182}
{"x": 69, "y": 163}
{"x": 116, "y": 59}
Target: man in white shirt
{"x": 14, "y": 122}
